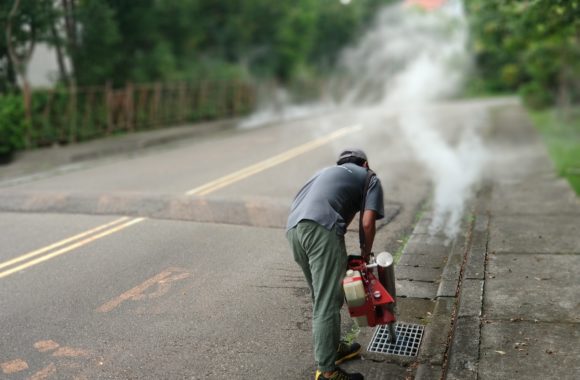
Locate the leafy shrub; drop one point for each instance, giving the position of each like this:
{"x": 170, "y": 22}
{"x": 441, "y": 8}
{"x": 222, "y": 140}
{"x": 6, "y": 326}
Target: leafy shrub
{"x": 536, "y": 96}
{"x": 13, "y": 124}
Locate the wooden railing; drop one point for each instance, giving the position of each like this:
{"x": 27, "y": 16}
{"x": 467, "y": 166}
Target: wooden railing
{"x": 62, "y": 116}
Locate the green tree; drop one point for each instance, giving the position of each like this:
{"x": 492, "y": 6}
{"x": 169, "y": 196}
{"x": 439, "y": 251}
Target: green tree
{"x": 293, "y": 40}
{"x": 23, "y": 24}
{"x": 528, "y": 46}
{"x": 337, "y": 26}
{"x": 97, "y": 50}
{"x": 150, "y": 40}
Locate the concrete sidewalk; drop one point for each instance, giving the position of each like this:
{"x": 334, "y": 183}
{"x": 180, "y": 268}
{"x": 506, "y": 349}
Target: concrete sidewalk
{"x": 502, "y": 301}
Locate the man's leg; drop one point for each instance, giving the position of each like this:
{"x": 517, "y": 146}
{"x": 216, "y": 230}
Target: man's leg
{"x": 327, "y": 260}
{"x": 300, "y": 256}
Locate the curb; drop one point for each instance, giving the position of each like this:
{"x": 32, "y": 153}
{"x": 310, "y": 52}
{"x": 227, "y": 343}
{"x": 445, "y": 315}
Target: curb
{"x": 463, "y": 355}
{"x": 433, "y": 355}
{"x": 450, "y": 348}
{"x": 146, "y": 139}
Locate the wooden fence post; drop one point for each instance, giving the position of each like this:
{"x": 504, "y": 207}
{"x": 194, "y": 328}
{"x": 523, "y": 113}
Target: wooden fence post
{"x": 90, "y": 94}
{"x": 27, "y": 99}
{"x": 254, "y": 96}
{"x": 224, "y": 94}
{"x": 237, "y": 98}
{"x": 181, "y": 102}
{"x": 140, "y": 110}
{"x": 109, "y": 107}
{"x": 202, "y": 101}
{"x": 156, "y": 100}
{"x": 72, "y": 114}
{"x": 128, "y": 106}
{"x": 46, "y": 124}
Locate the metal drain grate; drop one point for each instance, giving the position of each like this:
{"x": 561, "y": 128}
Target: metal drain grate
{"x": 407, "y": 344}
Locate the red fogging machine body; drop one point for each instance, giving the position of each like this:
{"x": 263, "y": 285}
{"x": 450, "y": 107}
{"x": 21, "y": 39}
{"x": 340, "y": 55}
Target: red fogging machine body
{"x": 369, "y": 302}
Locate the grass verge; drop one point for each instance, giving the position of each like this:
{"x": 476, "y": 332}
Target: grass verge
{"x": 562, "y": 138}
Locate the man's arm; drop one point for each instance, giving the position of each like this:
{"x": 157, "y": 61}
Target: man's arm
{"x": 368, "y": 222}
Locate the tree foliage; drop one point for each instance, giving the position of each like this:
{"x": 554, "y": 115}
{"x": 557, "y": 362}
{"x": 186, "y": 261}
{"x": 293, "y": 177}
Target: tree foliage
{"x": 12, "y": 124}
{"x": 93, "y": 57}
{"x": 532, "y": 46}
{"x": 152, "y": 40}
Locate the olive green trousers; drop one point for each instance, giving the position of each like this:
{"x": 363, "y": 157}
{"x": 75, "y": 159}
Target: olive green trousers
{"x": 322, "y": 256}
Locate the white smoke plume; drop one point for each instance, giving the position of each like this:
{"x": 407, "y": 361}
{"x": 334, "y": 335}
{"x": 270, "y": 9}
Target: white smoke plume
{"x": 409, "y": 61}
{"x": 277, "y": 106}
{"x": 405, "y": 65}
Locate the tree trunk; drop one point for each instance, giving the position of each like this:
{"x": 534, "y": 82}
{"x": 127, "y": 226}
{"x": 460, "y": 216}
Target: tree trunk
{"x": 71, "y": 35}
{"x": 59, "y": 54}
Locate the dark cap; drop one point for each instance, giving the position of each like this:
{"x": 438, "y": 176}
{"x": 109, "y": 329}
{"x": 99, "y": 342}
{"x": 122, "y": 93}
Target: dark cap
{"x": 352, "y": 153}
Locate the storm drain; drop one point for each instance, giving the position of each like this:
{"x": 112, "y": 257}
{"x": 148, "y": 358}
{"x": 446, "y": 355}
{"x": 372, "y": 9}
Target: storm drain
{"x": 407, "y": 344}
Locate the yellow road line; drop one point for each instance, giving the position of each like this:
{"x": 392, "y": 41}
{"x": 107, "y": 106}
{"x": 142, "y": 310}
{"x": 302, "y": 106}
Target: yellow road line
{"x": 268, "y": 163}
{"x": 201, "y": 190}
{"x": 71, "y": 247}
{"x": 60, "y": 243}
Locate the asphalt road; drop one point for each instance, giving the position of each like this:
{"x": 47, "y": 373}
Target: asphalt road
{"x": 86, "y": 294}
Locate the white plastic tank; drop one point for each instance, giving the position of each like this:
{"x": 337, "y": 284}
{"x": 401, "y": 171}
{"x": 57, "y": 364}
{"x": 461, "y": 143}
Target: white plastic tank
{"x": 354, "y": 292}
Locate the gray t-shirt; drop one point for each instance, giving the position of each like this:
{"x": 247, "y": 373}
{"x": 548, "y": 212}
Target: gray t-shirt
{"x": 333, "y": 196}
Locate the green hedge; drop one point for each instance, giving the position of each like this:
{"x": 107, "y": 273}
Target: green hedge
{"x": 13, "y": 124}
